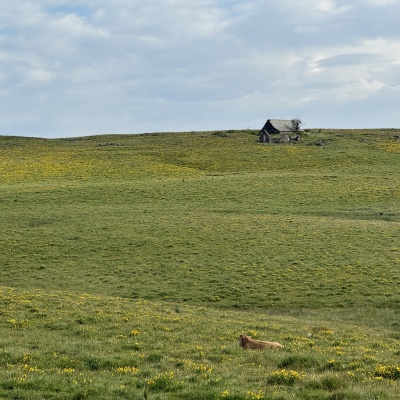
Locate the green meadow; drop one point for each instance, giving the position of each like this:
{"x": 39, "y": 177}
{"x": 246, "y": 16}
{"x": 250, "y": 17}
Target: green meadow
{"x": 130, "y": 265}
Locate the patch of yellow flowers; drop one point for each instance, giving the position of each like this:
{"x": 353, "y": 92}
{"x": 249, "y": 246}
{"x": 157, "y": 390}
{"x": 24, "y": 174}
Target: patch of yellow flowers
{"x": 284, "y": 377}
{"x": 128, "y": 370}
{"x": 387, "y": 371}
{"x": 255, "y": 395}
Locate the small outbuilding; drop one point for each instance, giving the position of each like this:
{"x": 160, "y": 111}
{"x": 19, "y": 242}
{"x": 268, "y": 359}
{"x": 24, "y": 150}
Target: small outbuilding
{"x": 282, "y": 127}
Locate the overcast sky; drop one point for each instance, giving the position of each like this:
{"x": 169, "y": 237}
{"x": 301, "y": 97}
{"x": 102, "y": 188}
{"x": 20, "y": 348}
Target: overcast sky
{"x": 85, "y": 67}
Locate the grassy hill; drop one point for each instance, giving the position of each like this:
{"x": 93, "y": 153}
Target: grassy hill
{"x": 131, "y": 264}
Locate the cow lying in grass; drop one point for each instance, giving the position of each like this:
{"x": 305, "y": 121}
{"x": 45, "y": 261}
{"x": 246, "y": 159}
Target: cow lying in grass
{"x": 248, "y": 343}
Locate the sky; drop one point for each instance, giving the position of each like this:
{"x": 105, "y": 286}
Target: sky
{"x": 73, "y": 68}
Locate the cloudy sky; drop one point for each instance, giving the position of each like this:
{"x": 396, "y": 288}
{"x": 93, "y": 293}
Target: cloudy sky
{"x": 85, "y": 67}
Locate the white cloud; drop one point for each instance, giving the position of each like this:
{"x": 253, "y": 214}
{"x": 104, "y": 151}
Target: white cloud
{"x": 383, "y": 3}
{"x": 74, "y": 25}
{"x": 328, "y": 6}
{"x": 41, "y": 75}
{"x": 311, "y": 8}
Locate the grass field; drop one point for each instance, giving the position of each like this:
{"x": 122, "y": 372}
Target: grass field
{"x": 131, "y": 264}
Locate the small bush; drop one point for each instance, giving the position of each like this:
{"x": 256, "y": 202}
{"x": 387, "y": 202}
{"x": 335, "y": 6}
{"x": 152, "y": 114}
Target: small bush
{"x": 154, "y": 357}
{"x": 332, "y": 365}
{"x": 299, "y": 362}
{"x": 284, "y": 377}
{"x": 387, "y": 371}
{"x": 164, "y": 382}
{"x": 331, "y": 382}
{"x": 338, "y": 396}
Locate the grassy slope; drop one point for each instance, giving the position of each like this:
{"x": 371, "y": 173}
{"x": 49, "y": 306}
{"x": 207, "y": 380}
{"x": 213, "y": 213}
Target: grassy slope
{"x": 60, "y": 345}
{"x": 211, "y": 220}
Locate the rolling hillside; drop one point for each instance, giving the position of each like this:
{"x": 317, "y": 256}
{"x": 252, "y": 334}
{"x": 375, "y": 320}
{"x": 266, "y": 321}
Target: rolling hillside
{"x": 131, "y": 264}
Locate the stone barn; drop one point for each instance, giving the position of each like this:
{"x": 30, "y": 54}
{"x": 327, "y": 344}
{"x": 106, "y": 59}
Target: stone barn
{"x": 282, "y": 127}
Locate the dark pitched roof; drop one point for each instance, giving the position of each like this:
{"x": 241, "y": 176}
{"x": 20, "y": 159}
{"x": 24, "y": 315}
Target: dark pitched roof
{"x": 281, "y": 125}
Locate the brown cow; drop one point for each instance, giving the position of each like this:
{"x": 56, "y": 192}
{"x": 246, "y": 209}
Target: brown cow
{"x": 250, "y": 344}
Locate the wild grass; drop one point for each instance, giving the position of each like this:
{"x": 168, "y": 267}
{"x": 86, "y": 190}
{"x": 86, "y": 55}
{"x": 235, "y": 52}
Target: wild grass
{"x": 61, "y": 345}
{"x": 131, "y": 264}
